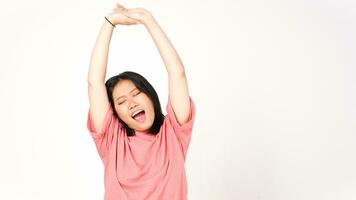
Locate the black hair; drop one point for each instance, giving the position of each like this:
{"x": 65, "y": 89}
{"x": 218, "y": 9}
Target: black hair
{"x": 144, "y": 86}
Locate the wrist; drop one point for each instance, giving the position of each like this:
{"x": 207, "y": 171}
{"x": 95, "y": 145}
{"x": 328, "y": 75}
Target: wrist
{"x": 109, "y": 21}
{"x": 149, "y": 21}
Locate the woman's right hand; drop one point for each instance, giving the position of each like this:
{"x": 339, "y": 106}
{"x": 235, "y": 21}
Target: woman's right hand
{"x": 117, "y": 16}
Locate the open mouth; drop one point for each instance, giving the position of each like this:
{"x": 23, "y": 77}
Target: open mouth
{"x": 139, "y": 116}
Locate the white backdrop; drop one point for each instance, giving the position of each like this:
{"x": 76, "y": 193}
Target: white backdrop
{"x": 273, "y": 83}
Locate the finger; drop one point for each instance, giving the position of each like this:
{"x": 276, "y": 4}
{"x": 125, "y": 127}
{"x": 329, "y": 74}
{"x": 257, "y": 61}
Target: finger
{"x": 120, "y": 8}
{"x": 132, "y": 11}
{"x": 125, "y": 12}
{"x": 130, "y": 20}
{"x": 120, "y": 5}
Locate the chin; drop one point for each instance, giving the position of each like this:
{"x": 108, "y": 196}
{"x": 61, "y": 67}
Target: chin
{"x": 145, "y": 127}
{"x": 142, "y": 127}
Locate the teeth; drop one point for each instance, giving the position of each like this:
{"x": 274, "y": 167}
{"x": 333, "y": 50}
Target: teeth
{"x": 136, "y": 113}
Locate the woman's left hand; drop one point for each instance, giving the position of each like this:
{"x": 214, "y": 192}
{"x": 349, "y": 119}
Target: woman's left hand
{"x": 139, "y": 14}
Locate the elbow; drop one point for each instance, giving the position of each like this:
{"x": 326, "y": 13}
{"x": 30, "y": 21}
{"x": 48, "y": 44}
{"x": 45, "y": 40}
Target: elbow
{"x": 92, "y": 78}
{"x": 177, "y": 73}
{"x": 92, "y": 81}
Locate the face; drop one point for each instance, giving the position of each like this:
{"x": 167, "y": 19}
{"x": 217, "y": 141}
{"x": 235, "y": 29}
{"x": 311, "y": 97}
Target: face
{"x": 129, "y": 100}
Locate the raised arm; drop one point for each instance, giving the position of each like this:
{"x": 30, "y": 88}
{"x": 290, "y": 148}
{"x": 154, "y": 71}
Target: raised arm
{"x": 178, "y": 87}
{"x": 98, "y": 98}
{"x": 177, "y": 80}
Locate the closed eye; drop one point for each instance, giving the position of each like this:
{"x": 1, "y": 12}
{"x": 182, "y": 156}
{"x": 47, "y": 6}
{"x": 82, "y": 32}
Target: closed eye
{"x": 137, "y": 93}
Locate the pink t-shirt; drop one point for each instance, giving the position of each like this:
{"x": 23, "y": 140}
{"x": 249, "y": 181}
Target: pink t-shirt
{"x": 144, "y": 167}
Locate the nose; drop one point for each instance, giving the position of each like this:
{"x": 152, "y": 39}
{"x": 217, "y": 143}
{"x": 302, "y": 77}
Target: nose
{"x": 132, "y": 105}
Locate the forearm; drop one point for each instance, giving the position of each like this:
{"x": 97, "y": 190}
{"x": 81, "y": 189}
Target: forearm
{"x": 99, "y": 56}
{"x": 167, "y": 51}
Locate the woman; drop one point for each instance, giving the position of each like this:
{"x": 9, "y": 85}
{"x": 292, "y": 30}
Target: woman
{"x": 142, "y": 150}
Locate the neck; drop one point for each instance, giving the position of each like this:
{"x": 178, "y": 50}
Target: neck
{"x": 146, "y": 131}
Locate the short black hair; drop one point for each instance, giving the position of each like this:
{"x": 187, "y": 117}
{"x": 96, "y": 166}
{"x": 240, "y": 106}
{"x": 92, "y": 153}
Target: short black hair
{"x": 144, "y": 86}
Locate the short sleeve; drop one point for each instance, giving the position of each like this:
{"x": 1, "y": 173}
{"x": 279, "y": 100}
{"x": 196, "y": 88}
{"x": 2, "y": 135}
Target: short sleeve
{"x": 103, "y": 138}
{"x": 183, "y": 132}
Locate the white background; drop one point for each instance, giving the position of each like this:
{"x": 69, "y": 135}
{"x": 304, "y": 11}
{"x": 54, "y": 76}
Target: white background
{"x": 273, "y": 83}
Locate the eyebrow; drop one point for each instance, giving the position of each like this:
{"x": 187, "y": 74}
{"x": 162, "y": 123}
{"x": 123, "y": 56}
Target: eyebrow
{"x": 123, "y": 95}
